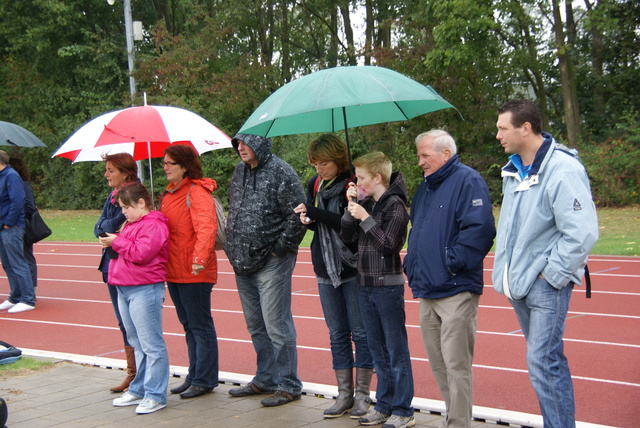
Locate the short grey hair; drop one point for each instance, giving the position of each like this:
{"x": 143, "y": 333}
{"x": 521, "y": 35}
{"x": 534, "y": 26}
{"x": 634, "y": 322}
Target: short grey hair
{"x": 4, "y": 158}
{"x": 442, "y": 140}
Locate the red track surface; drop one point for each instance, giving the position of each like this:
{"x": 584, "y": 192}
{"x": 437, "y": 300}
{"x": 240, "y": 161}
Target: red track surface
{"x": 602, "y": 338}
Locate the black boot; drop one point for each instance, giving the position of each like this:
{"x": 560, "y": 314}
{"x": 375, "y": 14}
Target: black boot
{"x": 362, "y": 400}
{"x": 344, "y": 402}
{"x": 4, "y": 413}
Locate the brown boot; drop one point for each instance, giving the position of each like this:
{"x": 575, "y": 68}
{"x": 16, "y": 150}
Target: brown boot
{"x": 362, "y": 399}
{"x": 131, "y": 370}
{"x": 344, "y": 402}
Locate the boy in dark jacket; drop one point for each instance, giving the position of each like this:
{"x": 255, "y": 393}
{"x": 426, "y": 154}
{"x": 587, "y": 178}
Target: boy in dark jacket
{"x": 379, "y": 224}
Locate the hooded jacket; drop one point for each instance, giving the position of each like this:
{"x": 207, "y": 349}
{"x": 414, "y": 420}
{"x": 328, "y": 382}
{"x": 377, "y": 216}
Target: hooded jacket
{"x": 452, "y": 230}
{"x": 547, "y": 225}
{"x": 261, "y": 219}
{"x": 11, "y": 198}
{"x": 192, "y": 230}
{"x": 143, "y": 250}
{"x": 380, "y": 236}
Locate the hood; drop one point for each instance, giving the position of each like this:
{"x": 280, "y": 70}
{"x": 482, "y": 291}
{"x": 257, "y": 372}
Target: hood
{"x": 397, "y": 186}
{"x": 157, "y": 215}
{"x": 261, "y": 146}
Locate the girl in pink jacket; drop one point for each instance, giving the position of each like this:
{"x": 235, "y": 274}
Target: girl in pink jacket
{"x": 139, "y": 273}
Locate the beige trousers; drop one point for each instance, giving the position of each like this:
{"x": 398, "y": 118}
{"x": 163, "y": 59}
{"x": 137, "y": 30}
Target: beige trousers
{"x": 448, "y": 328}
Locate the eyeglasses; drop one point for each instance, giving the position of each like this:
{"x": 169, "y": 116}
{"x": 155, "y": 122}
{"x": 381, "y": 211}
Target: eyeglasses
{"x": 166, "y": 163}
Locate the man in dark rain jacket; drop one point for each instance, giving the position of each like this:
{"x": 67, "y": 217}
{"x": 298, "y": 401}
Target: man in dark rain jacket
{"x": 452, "y": 230}
{"x": 263, "y": 235}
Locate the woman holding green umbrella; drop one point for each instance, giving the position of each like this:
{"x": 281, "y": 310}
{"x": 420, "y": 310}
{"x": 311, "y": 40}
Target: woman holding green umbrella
{"x": 334, "y": 264}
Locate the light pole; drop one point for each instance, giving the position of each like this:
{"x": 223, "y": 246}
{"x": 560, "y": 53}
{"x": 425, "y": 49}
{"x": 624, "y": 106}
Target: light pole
{"x": 128, "y": 27}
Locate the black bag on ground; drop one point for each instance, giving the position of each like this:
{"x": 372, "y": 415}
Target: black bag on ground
{"x": 8, "y": 353}
{"x": 35, "y": 229}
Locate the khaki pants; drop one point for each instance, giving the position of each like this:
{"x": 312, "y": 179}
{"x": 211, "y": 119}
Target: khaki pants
{"x": 448, "y": 328}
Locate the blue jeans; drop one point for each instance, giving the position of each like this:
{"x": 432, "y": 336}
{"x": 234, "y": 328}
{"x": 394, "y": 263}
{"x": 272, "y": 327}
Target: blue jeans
{"x": 382, "y": 310}
{"x": 141, "y": 310}
{"x": 266, "y": 303}
{"x": 113, "y": 294}
{"x": 16, "y": 266}
{"x": 541, "y": 315}
{"x": 193, "y": 307}
{"x": 341, "y": 308}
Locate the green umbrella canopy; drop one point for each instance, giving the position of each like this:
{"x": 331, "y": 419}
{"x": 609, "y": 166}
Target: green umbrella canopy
{"x": 322, "y": 101}
{"x": 15, "y": 135}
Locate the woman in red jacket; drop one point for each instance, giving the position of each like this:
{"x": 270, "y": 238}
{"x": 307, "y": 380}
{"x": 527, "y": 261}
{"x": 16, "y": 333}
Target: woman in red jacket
{"x": 192, "y": 269}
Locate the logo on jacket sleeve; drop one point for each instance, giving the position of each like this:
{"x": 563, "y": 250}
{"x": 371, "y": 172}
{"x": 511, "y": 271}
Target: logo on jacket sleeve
{"x": 576, "y": 205}
{"x": 476, "y": 202}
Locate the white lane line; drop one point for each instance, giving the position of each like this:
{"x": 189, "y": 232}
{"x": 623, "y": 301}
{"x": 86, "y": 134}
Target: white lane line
{"x": 323, "y": 349}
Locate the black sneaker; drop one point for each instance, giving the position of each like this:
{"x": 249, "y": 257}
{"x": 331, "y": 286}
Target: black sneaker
{"x": 247, "y": 390}
{"x": 279, "y": 398}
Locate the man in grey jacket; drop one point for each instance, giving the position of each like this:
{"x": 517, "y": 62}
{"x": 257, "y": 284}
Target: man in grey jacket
{"x": 263, "y": 235}
{"x": 547, "y": 227}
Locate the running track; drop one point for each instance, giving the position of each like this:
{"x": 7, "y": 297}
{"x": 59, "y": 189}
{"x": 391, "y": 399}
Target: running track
{"x": 602, "y": 338}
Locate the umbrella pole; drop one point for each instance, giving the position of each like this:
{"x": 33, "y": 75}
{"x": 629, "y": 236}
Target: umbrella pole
{"x": 153, "y": 202}
{"x": 346, "y": 137}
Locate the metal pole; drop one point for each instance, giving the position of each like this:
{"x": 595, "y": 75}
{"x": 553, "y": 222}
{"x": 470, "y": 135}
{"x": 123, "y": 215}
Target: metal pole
{"x": 128, "y": 26}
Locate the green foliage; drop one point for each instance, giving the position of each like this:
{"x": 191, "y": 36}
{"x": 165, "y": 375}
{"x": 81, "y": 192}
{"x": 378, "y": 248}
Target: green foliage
{"x": 614, "y": 165}
{"x": 64, "y": 62}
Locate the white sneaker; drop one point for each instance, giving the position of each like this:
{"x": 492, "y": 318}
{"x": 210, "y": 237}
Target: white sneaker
{"x": 6, "y": 305}
{"x": 21, "y": 307}
{"x": 149, "y": 406}
{"x": 127, "y": 399}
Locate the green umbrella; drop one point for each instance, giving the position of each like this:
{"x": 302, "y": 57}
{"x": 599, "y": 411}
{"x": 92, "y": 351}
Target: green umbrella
{"x": 15, "y": 135}
{"x": 339, "y": 98}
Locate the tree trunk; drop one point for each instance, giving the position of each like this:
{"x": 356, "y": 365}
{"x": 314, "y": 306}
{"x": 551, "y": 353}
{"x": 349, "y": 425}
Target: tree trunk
{"x": 368, "y": 32}
{"x": 348, "y": 33}
{"x": 567, "y": 78}
{"x": 597, "y": 62}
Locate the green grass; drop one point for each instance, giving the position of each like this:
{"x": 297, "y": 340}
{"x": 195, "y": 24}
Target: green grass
{"x": 619, "y": 229}
{"x": 23, "y": 365}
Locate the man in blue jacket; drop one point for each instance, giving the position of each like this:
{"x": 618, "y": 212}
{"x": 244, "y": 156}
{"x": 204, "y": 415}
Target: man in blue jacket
{"x": 452, "y": 230}
{"x": 21, "y": 297}
{"x": 547, "y": 227}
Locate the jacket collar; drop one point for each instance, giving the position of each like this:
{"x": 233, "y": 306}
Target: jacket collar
{"x": 435, "y": 180}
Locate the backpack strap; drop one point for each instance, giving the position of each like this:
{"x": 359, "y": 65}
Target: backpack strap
{"x": 587, "y": 280}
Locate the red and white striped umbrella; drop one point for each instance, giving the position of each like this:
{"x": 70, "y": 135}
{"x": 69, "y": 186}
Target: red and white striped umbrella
{"x": 143, "y": 132}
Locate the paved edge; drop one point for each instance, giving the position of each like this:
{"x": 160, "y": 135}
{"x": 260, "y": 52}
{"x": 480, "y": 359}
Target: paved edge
{"x": 487, "y": 414}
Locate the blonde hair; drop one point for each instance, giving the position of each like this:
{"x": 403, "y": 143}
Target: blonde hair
{"x": 376, "y": 163}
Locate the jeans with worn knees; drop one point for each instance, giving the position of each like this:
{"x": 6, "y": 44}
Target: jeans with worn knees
{"x": 113, "y": 293}
{"x": 193, "y": 307}
{"x": 341, "y": 308}
{"x": 542, "y": 315}
{"x": 382, "y": 310}
{"x": 141, "y": 310}
{"x": 16, "y": 266}
{"x": 266, "y": 302}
